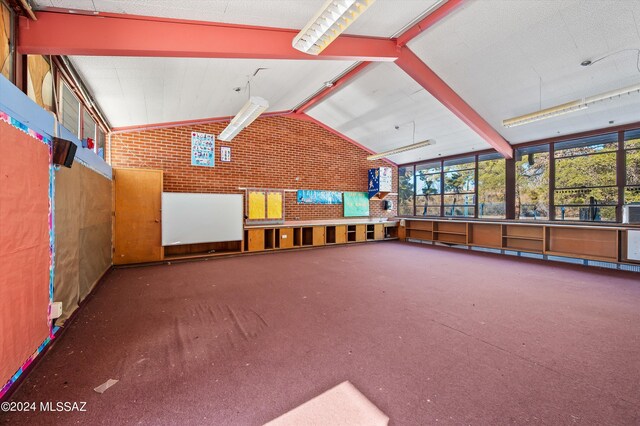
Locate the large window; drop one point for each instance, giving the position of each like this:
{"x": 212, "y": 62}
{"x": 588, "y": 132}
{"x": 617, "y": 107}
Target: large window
{"x": 492, "y": 182}
{"x": 582, "y": 179}
{"x": 428, "y": 189}
{"x": 405, "y": 190}
{"x": 632, "y": 167}
{"x": 532, "y": 182}
{"x": 460, "y": 187}
{"x": 585, "y": 179}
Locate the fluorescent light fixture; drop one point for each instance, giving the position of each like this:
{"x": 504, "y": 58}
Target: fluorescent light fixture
{"x": 401, "y": 149}
{"x": 569, "y": 106}
{"x": 331, "y": 20}
{"x": 249, "y": 112}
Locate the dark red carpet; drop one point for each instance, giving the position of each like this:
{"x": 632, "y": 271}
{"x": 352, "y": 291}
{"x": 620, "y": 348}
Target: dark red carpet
{"x": 429, "y": 335}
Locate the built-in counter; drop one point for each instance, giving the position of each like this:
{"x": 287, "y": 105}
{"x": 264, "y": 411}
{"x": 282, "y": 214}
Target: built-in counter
{"x": 312, "y": 233}
{"x": 601, "y": 242}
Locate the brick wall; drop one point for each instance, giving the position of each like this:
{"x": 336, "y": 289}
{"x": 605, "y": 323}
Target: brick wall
{"x": 272, "y": 153}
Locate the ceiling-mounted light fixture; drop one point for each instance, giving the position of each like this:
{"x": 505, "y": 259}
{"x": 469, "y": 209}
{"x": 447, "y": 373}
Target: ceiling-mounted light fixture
{"x": 331, "y": 20}
{"x": 569, "y": 106}
{"x": 249, "y": 112}
{"x": 401, "y": 149}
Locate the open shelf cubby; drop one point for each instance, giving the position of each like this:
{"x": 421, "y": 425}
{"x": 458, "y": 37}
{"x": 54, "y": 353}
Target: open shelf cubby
{"x": 307, "y": 236}
{"x": 351, "y": 233}
{"x": 268, "y": 239}
{"x": 371, "y": 232}
{"x": 187, "y": 251}
{"x": 330, "y": 236}
{"x": 297, "y": 237}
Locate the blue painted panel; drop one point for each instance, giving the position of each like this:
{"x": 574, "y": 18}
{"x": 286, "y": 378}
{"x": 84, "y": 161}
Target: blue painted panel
{"x": 22, "y": 108}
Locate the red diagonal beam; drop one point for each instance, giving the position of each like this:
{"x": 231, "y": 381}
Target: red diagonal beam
{"x": 403, "y": 39}
{"x": 74, "y": 34}
{"x": 433, "y": 84}
{"x": 430, "y": 20}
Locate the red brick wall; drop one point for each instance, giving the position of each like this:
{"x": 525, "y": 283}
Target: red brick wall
{"x": 272, "y": 153}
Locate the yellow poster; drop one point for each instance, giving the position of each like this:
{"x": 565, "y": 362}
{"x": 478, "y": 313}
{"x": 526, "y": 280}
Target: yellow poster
{"x": 256, "y": 205}
{"x": 274, "y": 205}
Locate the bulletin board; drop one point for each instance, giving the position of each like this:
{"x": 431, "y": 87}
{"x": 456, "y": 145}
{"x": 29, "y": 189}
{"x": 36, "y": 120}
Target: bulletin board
{"x": 356, "y": 204}
{"x": 265, "y": 206}
{"x": 24, "y": 247}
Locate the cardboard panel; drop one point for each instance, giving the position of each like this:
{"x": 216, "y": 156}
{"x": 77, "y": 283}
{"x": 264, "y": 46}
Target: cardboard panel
{"x": 24, "y": 247}
{"x": 83, "y": 234}
{"x": 67, "y": 226}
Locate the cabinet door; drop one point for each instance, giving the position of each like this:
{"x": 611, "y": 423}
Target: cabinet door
{"x": 138, "y": 232}
{"x": 318, "y": 235}
{"x": 379, "y": 231}
{"x": 256, "y": 239}
{"x": 286, "y": 238}
{"x": 341, "y": 234}
{"x": 361, "y": 232}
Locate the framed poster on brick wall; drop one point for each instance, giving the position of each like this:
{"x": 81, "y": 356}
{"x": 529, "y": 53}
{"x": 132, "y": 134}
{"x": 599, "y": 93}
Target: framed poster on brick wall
{"x": 203, "y": 148}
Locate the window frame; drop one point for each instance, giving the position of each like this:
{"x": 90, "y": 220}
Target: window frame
{"x": 618, "y": 136}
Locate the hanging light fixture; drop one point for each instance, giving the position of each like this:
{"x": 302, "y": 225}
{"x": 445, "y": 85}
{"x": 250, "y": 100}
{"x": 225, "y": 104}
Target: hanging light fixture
{"x": 249, "y": 112}
{"x": 401, "y": 149}
{"x": 331, "y": 20}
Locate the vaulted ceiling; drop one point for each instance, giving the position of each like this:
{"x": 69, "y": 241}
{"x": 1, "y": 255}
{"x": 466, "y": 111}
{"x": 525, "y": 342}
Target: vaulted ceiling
{"x": 502, "y": 57}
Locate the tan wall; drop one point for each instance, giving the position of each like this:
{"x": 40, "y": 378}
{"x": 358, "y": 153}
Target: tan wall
{"x": 83, "y": 212}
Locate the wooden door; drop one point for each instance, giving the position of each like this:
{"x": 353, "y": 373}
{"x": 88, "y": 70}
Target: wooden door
{"x": 256, "y": 239}
{"x": 286, "y": 238}
{"x": 361, "y": 232}
{"x": 137, "y": 227}
{"x": 341, "y": 234}
{"x": 318, "y": 235}
{"x": 378, "y": 231}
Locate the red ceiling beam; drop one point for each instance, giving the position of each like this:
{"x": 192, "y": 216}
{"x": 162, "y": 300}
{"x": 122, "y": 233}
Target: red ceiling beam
{"x": 112, "y": 35}
{"x": 428, "y": 21}
{"x": 433, "y": 84}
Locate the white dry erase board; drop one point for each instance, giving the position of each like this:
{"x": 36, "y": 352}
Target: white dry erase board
{"x": 201, "y": 218}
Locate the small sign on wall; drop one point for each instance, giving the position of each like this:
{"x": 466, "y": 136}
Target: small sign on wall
{"x": 225, "y": 153}
{"x": 203, "y": 148}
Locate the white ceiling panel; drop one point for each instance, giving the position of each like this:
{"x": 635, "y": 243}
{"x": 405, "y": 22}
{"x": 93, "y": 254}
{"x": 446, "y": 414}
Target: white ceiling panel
{"x": 383, "y": 96}
{"x": 507, "y": 58}
{"x": 138, "y": 91}
{"x": 382, "y": 19}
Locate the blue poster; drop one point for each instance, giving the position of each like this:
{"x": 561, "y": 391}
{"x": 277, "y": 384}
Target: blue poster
{"x": 203, "y": 148}
{"x": 380, "y": 180}
{"x": 374, "y": 182}
{"x": 310, "y": 196}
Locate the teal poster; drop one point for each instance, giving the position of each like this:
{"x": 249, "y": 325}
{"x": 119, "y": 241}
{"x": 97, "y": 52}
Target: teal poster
{"x": 310, "y": 196}
{"x": 356, "y": 204}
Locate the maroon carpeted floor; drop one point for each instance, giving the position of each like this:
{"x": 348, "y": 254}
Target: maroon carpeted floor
{"x": 427, "y": 334}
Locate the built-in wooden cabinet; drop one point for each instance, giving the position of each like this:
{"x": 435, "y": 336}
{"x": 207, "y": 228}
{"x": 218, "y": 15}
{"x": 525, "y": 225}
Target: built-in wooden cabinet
{"x": 264, "y": 238}
{"x": 590, "y": 242}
